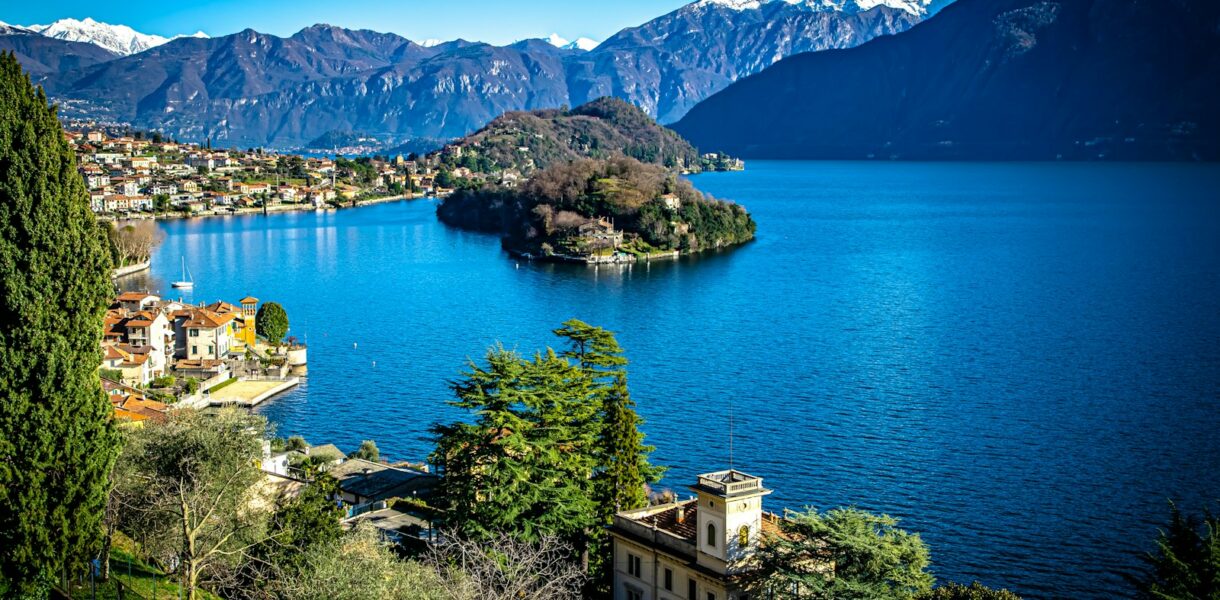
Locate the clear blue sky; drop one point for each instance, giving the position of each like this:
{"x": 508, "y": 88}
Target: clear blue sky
{"x": 496, "y": 21}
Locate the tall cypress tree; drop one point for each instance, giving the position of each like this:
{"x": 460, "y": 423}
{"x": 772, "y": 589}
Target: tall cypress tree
{"x": 620, "y": 456}
{"x": 57, "y": 444}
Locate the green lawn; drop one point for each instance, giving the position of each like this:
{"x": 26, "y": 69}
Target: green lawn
{"x": 136, "y": 578}
{"x": 222, "y": 385}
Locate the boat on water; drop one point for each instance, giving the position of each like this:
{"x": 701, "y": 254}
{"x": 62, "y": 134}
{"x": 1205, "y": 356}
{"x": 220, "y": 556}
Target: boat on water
{"x": 187, "y": 282}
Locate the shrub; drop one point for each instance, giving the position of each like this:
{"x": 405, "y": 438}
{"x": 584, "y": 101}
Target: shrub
{"x": 111, "y": 374}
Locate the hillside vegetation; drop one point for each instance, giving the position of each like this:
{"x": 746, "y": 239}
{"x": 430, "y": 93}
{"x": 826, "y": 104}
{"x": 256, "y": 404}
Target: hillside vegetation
{"x": 600, "y": 211}
{"x": 604, "y": 128}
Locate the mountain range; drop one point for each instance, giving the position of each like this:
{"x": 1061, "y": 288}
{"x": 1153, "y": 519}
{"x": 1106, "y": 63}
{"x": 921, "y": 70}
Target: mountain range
{"x": 255, "y": 89}
{"x": 991, "y": 79}
{"x": 43, "y": 56}
{"x": 119, "y": 39}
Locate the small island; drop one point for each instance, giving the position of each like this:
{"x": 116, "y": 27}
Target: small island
{"x": 616, "y": 210}
{"x": 600, "y": 183}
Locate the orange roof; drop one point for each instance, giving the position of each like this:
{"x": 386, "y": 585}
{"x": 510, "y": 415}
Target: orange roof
{"x": 127, "y": 415}
{"x": 129, "y": 355}
{"x": 133, "y": 296}
{"x": 204, "y": 318}
{"x": 249, "y": 300}
{"x": 221, "y": 307}
{"x": 114, "y": 353}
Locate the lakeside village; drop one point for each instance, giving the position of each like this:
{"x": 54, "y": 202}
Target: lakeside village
{"x": 163, "y": 355}
{"x": 135, "y": 175}
{"x": 161, "y": 352}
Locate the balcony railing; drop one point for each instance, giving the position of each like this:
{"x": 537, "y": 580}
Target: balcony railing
{"x": 730, "y": 482}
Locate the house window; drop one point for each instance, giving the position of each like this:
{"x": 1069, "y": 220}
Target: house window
{"x": 743, "y": 536}
{"x": 669, "y": 580}
{"x": 711, "y": 596}
{"x": 194, "y": 349}
{"x": 633, "y": 565}
{"x": 690, "y": 589}
{"x": 634, "y": 594}
{"x": 209, "y": 349}
{"x": 711, "y": 534}
{"x": 194, "y": 333}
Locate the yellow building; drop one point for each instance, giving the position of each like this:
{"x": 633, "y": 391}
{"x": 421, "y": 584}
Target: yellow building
{"x": 248, "y": 331}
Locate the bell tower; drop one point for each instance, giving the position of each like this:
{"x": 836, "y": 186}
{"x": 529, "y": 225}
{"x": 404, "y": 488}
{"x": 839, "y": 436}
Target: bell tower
{"x": 729, "y": 519}
{"x": 249, "y": 308}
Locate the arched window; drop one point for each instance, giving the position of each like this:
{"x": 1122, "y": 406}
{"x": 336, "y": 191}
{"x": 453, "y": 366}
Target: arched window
{"x": 743, "y": 536}
{"x": 711, "y": 534}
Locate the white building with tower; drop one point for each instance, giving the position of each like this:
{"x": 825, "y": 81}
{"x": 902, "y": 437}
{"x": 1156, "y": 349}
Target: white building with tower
{"x": 695, "y": 549}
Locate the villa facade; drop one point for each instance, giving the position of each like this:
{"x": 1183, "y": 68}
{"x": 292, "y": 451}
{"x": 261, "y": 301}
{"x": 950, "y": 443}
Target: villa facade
{"x": 695, "y": 549}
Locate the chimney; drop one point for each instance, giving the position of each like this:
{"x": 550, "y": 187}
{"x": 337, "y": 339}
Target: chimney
{"x": 681, "y": 513}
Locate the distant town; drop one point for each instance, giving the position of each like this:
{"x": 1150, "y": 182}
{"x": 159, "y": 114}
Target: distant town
{"x": 137, "y": 174}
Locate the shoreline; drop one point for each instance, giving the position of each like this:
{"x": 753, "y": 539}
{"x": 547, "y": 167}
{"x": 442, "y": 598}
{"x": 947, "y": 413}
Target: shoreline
{"x": 281, "y": 208}
{"x": 131, "y": 269}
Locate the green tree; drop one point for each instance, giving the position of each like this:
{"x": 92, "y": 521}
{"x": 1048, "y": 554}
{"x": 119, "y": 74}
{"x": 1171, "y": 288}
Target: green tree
{"x": 296, "y": 443}
{"x": 1186, "y": 564}
{"x": 975, "y": 591}
{"x": 522, "y": 463}
{"x": 620, "y": 456}
{"x": 361, "y": 565}
{"x": 308, "y": 521}
{"x": 57, "y": 443}
{"x": 367, "y": 451}
{"x": 271, "y": 321}
{"x": 843, "y": 554}
{"x": 197, "y": 500}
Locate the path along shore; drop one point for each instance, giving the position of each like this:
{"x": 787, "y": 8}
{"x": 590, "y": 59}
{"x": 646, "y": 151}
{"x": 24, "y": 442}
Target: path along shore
{"x": 279, "y": 208}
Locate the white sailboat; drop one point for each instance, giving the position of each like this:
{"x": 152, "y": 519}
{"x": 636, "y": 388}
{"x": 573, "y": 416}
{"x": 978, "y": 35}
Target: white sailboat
{"x": 187, "y": 282}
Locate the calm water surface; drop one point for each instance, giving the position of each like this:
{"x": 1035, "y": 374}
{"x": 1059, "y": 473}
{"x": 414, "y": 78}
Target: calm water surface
{"x": 1022, "y": 361}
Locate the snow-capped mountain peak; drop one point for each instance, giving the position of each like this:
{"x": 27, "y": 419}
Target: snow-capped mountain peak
{"x": 430, "y": 42}
{"x": 119, "y": 39}
{"x": 583, "y": 43}
{"x": 915, "y": 7}
{"x": 730, "y": 4}
{"x": 10, "y": 29}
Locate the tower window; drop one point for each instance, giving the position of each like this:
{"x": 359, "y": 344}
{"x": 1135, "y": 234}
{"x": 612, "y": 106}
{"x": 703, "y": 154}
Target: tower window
{"x": 711, "y": 534}
{"x": 743, "y": 536}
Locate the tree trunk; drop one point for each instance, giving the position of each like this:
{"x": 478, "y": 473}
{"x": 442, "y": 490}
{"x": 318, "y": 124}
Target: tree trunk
{"x": 191, "y": 578}
{"x": 105, "y": 555}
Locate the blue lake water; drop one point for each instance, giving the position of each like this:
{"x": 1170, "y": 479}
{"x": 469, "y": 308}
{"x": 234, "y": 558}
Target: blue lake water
{"x": 1022, "y": 361}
